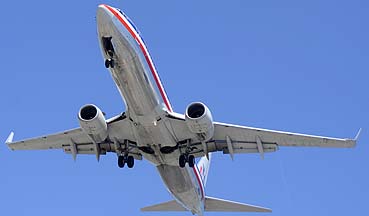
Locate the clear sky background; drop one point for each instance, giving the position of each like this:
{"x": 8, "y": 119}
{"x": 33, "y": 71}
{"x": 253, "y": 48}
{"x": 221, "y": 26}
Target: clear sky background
{"x": 299, "y": 66}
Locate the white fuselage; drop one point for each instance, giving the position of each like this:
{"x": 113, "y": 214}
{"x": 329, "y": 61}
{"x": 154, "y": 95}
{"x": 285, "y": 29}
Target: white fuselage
{"x": 147, "y": 103}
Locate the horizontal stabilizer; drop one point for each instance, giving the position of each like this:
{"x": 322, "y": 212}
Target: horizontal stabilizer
{"x": 220, "y": 205}
{"x": 166, "y": 206}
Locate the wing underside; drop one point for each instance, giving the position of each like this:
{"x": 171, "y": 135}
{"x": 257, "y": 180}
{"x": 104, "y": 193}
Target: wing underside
{"x": 75, "y": 141}
{"x": 235, "y": 139}
{"x": 229, "y": 139}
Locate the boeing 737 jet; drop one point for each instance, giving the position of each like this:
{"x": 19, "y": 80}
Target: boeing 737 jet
{"x": 150, "y": 129}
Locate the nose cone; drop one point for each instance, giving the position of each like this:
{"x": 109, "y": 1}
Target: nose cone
{"x": 103, "y": 8}
{"x": 103, "y": 17}
{"x": 103, "y": 13}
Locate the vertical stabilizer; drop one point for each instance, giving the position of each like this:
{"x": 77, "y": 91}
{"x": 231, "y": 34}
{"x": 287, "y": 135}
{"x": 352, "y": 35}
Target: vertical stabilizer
{"x": 203, "y": 166}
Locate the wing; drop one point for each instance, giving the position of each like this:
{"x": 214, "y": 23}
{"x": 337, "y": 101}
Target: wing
{"x": 240, "y": 139}
{"x": 75, "y": 141}
{"x": 233, "y": 139}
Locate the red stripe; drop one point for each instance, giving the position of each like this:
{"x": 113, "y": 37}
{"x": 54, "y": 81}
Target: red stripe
{"x": 145, "y": 52}
{"x": 198, "y": 179}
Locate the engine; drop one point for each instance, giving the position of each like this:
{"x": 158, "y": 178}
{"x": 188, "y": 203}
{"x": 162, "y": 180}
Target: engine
{"x": 92, "y": 122}
{"x": 199, "y": 120}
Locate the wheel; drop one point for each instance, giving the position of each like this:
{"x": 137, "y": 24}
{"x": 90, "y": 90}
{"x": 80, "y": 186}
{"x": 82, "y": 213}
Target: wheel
{"x": 182, "y": 161}
{"x": 107, "y": 63}
{"x": 121, "y": 161}
{"x": 191, "y": 161}
{"x": 130, "y": 161}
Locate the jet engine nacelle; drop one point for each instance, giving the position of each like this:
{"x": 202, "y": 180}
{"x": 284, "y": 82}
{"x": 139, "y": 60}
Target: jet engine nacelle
{"x": 200, "y": 121}
{"x": 93, "y": 123}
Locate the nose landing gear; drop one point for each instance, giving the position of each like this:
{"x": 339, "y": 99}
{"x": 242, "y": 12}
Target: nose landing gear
{"x": 109, "y": 50}
{"x": 109, "y": 63}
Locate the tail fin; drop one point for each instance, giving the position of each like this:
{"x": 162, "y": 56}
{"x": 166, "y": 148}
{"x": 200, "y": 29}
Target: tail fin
{"x": 203, "y": 165}
{"x": 220, "y": 205}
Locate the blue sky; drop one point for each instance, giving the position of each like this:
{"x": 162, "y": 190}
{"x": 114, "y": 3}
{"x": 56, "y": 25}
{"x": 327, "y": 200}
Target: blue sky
{"x": 285, "y": 65}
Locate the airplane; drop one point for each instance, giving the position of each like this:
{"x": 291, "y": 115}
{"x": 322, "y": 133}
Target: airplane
{"x": 150, "y": 129}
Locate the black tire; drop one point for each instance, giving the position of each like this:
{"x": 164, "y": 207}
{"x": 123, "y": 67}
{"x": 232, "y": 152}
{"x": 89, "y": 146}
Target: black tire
{"x": 191, "y": 161}
{"x": 121, "y": 161}
{"x": 130, "y": 161}
{"x": 112, "y": 63}
{"x": 182, "y": 161}
{"x": 107, "y": 63}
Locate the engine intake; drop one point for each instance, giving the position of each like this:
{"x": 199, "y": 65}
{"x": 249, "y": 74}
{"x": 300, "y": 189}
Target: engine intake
{"x": 200, "y": 121}
{"x": 88, "y": 112}
{"x": 93, "y": 123}
{"x": 196, "y": 110}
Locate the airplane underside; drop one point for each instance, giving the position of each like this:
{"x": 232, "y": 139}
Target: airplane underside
{"x": 154, "y": 137}
{"x": 150, "y": 129}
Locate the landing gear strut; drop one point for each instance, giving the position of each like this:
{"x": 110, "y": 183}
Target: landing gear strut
{"x": 122, "y": 160}
{"x": 184, "y": 158}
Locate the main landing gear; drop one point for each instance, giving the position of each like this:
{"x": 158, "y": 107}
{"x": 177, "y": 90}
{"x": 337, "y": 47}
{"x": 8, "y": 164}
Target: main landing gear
{"x": 123, "y": 159}
{"x": 184, "y": 158}
{"x": 187, "y": 157}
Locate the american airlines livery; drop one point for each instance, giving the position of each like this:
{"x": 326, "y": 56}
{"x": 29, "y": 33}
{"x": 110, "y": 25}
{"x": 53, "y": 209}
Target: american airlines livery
{"x": 150, "y": 129}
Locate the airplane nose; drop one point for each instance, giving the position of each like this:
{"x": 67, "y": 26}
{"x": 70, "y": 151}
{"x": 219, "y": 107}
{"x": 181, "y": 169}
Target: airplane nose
{"x": 102, "y": 11}
{"x": 104, "y": 19}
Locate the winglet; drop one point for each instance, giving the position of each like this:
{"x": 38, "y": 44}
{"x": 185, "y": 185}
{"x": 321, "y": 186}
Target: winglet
{"x": 10, "y": 138}
{"x": 357, "y": 135}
